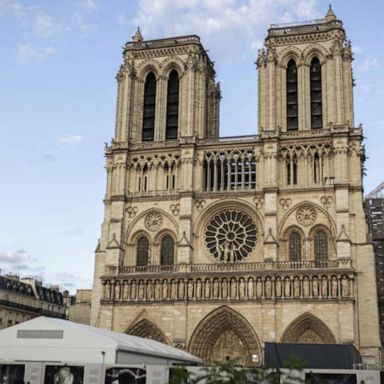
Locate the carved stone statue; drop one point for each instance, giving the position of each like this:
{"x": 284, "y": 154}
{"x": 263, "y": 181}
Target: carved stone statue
{"x": 117, "y": 291}
{"x": 278, "y": 285}
{"x": 324, "y": 287}
{"x": 344, "y": 287}
{"x": 198, "y": 289}
{"x": 190, "y": 290}
{"x": 306, "y": 287}
{"x": 215, "y": 288}
{"x": 133, "y": 290}
{"x": 233, "y": 289}
{"x": 173, "y": 290}
{"x": 181, "y": 290}
{"x": 157, "y": 290}
{"x": 268, "y": 288}
{"x": 259, "y": 288}
{"x": 250, "y": 288}
{"x": 207, "y": 288}
{"x": 315, "y": 287}
{"x": 141, "y": 290}
{"x": 165, "y": 290}
{"x": 224, "y": 289}
{"x": 149, "y": 290}
{"x": 334, "y": 286}
{"x": 242, "y": 289}
{"x": 287, "y": 287}
{"x": 296, "y": 287}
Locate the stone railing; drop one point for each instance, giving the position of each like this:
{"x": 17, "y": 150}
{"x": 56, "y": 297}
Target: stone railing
{"x": 111, "y": 270}
{"x": 283, "y": 285}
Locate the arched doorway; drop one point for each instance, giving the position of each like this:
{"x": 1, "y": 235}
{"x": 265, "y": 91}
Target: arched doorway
{"x": 145, "y": 328}
{"x": 308, "y": 329}
{"x": 225, "y": 334}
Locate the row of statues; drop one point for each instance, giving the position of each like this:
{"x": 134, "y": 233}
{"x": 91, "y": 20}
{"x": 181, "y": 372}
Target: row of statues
{"x": 243, "y": 288}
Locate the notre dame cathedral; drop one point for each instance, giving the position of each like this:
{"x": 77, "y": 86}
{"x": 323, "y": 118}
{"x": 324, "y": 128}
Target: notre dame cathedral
{"x": 219, "y": 244}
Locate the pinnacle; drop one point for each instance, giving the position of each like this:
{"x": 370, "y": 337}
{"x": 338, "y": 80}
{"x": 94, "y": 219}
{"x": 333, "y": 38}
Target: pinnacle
{"x": 330, "y": 16}
{"x": 137, "y": 38}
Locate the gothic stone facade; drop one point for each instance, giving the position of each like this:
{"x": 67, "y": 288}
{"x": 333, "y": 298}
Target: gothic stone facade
{"x": 217, "y": 245}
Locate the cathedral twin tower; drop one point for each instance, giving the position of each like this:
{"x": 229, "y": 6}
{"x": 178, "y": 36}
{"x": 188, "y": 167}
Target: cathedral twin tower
{"x": 218, "y": 245}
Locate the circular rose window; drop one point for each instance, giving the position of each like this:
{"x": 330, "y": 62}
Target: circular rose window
{"x": 230, "y": 236}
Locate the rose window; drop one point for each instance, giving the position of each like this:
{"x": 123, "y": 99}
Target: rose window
{"x": 230, "y": 236}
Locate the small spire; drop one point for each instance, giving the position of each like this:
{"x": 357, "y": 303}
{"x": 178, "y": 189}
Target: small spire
{"x": 330, "y": 16}
{"x": 138, "y": 36}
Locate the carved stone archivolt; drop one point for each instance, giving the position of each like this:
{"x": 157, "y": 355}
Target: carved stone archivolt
{"x": 148, "y": 330}
{"x": 153, "y": 221}
{"x": 306, "y": 215}
{"x": 223, "y": 334}
{"x": 308, "y": 329}
{"x": 244, "y": 288}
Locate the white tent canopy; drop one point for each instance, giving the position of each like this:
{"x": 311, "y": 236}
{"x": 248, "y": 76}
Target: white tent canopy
{"x": 60, "y": 341}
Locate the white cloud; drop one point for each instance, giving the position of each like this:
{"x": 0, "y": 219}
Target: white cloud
{"x": 19, "y": 262}
{"x": 45, "y": 26}
{"x": 357, "y": 50}
{"x": 27, "y": 52}
{"x": 71, "y": 139}
{"x": 228, "y": 25}
{"x": 368, "y": 64}
{"x": 90, "y": 4}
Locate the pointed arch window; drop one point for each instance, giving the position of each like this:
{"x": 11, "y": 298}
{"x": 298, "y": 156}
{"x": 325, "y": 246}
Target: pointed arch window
{"x": 316, "y": 94}
{"x": 321, "y": 247}
{"x": 142, "y": 251}
{"x": 291, "y": 165}
{"x": 149, "y": 108}
{"x": 172, "y": 106}
{"x": 292, "y": 105}
{"x": 167, "y": 250}
{"x": 294, "y": 246}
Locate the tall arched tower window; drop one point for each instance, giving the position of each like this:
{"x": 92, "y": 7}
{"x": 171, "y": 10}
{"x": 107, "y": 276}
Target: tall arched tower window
{"x": 149, "y": 108}
{"x": 142, "y": 251}
{"x": 321, "y": 247}
{"x": 292, "y": 108}
{"x": 316, "y": 97}
{"x": 167, "y": 250}
{"x": 294, "y": 246}
{"x": 172, "y": 106}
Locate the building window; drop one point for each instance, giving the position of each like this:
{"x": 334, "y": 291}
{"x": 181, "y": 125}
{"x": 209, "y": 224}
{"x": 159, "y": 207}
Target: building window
{"x": 292, "y": 106}
{"x": 321, "y": 248}
{"x": 142, "y": 251}
{"x": 172, "y": 106}
{"x": 291, "y": 170}
{"x": 316, "y": 98}
{"x": 294, "y": 246}
{"x": 316, "y": 168}
{"x": 167, "y": 250}
{"x": 149, "y": 108}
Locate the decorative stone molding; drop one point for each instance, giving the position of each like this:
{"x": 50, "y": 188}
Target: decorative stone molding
{"x": 175, "y": 209}
{"x": 200, "y": 204}
{"x": 259, "y": 202}
{"x": 250, "y": 287}
{"x": 154, "y": 221}
{"x": 306, "y": 215}
{"x": 326, "y": 201}
{"x": 285, "y": 203}
{"x": 131, "y": 211}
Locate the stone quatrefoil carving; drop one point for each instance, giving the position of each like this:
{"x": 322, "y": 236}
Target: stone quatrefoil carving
{"x": 154, "y": 221}
{"x": 230, "y": 236}
{"x": 306, "y": 215}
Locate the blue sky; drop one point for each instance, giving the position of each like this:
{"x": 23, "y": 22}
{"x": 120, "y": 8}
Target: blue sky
{"x": 57, "y": 106}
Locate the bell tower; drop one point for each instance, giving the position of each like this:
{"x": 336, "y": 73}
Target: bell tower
{"x": 166, "y": 90}
{"x": 305, "y": 76}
